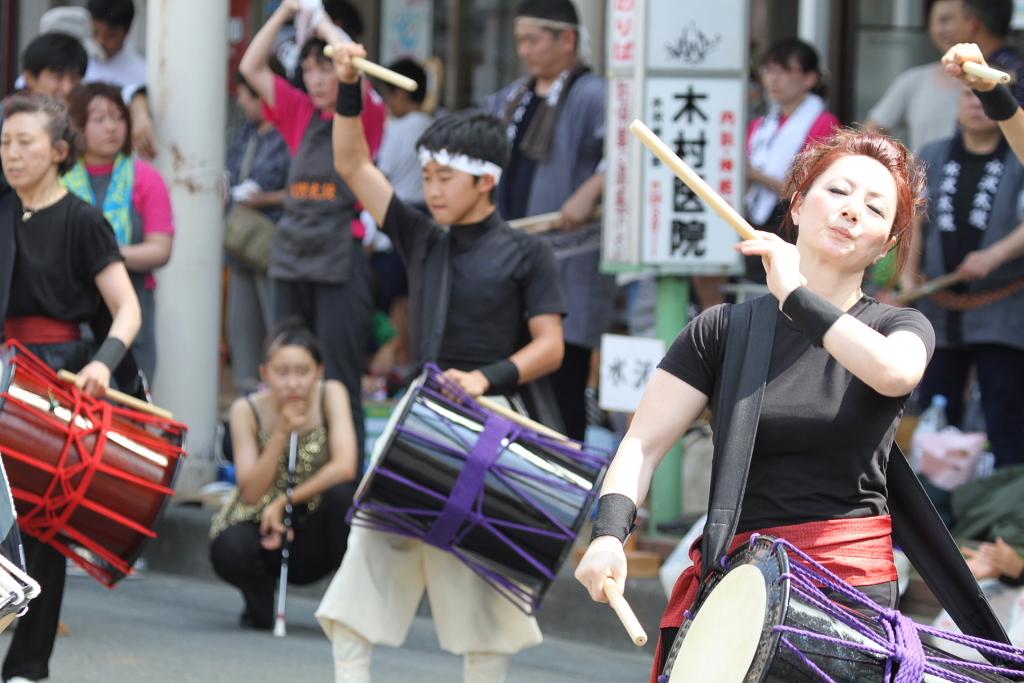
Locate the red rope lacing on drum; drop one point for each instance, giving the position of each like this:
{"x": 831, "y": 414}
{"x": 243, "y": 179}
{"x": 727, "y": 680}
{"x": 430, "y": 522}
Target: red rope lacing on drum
{"x": 69, "y": 485}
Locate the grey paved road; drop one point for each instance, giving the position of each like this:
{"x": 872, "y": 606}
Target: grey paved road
{"x": 168, "y": 628}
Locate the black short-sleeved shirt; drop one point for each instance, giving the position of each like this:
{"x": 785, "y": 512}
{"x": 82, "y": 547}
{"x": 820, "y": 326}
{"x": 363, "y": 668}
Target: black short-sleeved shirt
{"x": 500, "y": 278}
{"x": 824, "y": 436}
{"x": 60, "y": 251}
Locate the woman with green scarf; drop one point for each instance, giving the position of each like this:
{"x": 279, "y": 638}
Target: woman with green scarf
{"x": 131, "y": 194}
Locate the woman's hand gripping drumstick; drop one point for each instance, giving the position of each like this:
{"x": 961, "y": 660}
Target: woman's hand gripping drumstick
{"x": 355, "y": 55}
{"x": 781, "y": 260}
{"x": 603, "y": 572}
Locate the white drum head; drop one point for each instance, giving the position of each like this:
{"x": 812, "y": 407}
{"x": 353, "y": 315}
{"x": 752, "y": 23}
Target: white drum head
{"x": 720, "y": 644}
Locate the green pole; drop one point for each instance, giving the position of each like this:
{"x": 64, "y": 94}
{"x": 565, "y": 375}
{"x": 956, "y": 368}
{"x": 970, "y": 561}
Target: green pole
{"x": 673, "y": 301}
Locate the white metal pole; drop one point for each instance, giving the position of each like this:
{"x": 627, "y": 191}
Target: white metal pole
{"x": 187, "y": 56}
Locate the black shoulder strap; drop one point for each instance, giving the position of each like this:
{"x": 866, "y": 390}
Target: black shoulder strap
{"x": 920, "y": 532}
{"x": 748, "y": 349}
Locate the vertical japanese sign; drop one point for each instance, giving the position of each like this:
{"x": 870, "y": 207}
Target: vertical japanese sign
{"x": 682, "y": 69}
{"x": 620, "y": 247}
{"x": 699, "y": 119}
{"x": 694, "y": 101}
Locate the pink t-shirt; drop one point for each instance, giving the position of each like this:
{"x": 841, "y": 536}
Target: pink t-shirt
{"x": 150, "y": 200}
{"x": 293, "y": 110}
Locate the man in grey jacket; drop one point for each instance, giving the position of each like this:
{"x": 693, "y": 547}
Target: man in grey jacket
{"x": 555, "y": 117}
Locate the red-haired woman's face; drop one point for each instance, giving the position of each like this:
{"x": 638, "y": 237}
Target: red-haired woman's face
{"x": 847, "y": 214}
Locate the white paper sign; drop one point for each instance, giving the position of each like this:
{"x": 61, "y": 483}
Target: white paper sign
{"x": 700, "y": 119}
{"x": 694, "y": 35}
{"x": 627, "y": 363}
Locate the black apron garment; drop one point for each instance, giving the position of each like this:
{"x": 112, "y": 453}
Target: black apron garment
{"x": 313, "y": 240}
{"x": 917, "y": 527}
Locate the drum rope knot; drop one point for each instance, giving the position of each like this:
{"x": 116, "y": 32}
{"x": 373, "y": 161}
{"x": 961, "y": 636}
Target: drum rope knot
{"x": 907, "y": 650}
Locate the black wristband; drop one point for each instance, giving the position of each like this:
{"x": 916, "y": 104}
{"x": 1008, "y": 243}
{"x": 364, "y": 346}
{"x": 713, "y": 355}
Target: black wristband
{"x": 999, "y": 103}
{"x": 811, "y": 313}
{"x": 350, "y": 99}
{"x": 616, "y": 516}
{"x": 111, "y": 352}
{"x": 503, "y": 375}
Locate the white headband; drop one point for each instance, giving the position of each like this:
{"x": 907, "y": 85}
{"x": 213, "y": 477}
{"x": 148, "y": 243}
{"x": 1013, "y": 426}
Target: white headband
{"x": 460, "y": 162}
{"x": 584, "y": 49}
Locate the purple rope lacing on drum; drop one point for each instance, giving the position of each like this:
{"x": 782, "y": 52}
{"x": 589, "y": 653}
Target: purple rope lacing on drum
{"x": 901, "y": 646}
{"x": 398, "y": 520}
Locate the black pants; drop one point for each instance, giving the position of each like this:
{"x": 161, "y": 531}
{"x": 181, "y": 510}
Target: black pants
{"x": 340, "y": 317}
{"x": 32, "y": 644}
{"x": 884, "y": 594}
{"x": 569, "y": 383}
{"x": 1001, "y": 380}
{"x": 317, "y": 549}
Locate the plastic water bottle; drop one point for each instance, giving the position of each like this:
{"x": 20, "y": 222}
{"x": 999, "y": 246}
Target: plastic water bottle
{"x": 931, "y": 421}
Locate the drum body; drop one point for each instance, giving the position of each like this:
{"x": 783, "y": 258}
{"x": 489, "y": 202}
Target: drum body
{"x": 507, "y": 500}
{"x": 88, "y": 477}
{"x": 753, "y": 625}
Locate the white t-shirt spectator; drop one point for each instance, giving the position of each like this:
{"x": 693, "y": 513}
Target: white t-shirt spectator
{"x": 397, "y": 157}
{"x": 126, "y": 69}
{"x": 925, "y": 100}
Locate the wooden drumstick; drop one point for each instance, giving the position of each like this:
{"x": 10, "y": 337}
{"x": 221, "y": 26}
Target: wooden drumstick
{"x": 624, "y": 613}
{"x": 930, "y": 287}
{"x": 694, "y": 181}
{"x": 122, "y": 398}
{"x": 544, "y": 222}
{"x": 986, "y": 73}
{"x": 377, "y": 71}
{"x": 519, "y": 418}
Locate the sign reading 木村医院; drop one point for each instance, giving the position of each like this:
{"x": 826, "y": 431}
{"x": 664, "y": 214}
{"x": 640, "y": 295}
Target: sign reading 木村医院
{"x": 682, "y": 70}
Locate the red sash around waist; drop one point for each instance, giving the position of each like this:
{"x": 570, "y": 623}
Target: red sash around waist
{"x": 37, "y": 329}
{"x": 858, "y": 550}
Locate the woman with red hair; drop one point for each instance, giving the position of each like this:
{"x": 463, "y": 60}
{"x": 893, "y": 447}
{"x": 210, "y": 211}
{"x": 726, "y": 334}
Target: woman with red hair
{"x": 841, "y": 368}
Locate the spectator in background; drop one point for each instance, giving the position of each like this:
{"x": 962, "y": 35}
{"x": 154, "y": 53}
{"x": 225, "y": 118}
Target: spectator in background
{"x": 132, "y": 196}
{"x": 121, "y": 65}
{"x": 319, "y": 274}
{"x": 556, "y": 125}
{"x": 399, "y": 161}
{"x": 797, "y": 116}
{"x": 245, "y": 546}
{"x": 54, "y": 64}
{"x": 987, "y": 23}
{"x": 922, "y": 99}
{"x": 397, "y": 158}
{"x": 257, "y": 165}
{"x": 973, "y": 227}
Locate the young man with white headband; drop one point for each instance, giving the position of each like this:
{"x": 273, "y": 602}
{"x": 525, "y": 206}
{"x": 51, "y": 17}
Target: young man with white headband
{"x": 486, "y": 306}
{"x": 555, "y": 125}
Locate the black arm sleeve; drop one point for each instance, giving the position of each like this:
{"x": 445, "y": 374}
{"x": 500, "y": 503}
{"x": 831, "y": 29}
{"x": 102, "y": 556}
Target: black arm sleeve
{"x": 95, "y": 245}
{"x": 407, "y": 227}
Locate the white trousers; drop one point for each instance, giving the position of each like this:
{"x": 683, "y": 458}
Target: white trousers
{"x": 377, "y": 589}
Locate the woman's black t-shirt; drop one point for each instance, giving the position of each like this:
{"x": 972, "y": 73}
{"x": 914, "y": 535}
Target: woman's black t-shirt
{"x": 60, "y": 251}
{"x": 824, "y": 436}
